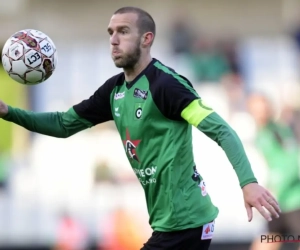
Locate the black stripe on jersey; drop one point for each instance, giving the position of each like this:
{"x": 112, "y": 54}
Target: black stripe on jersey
{"x": 171, "y": 92}
{"x": 97, "y": 108}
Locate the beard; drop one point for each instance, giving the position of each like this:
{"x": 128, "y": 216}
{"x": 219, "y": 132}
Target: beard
{"x": 130, "y": 59}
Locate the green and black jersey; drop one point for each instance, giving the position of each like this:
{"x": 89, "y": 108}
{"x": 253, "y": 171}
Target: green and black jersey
{"x": 154, "y": 115}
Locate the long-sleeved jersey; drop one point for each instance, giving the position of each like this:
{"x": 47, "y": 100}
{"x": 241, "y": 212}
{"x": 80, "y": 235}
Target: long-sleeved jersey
{"x": 154, "y": 115}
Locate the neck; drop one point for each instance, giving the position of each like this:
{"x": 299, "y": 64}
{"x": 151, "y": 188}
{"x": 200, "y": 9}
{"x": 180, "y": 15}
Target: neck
{"x": 132, "y": 73}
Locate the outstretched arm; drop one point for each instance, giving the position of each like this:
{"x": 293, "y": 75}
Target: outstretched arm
{"x": 56, "y": 124}
{"x": 90, "y": 112}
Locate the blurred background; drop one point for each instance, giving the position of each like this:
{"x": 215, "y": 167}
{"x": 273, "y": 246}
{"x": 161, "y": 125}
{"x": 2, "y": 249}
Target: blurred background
{"x": 243, "y": 58}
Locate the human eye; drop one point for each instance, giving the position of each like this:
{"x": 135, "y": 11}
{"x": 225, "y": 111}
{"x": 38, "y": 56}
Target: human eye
{"x": 124, "y": 31}
{"x": 109, "y": 32}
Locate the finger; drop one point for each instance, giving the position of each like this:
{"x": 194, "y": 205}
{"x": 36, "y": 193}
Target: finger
{"x": 271, "y": 207}
{"x": 275, "y": 206}
{"x": 249, "y": 211}
{"x": 262, "y": 211}
{"x": 269, "y": 195}
{"x": 271, "y": 200}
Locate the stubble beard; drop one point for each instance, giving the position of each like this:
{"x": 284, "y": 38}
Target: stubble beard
{"x": 128, "y": 61}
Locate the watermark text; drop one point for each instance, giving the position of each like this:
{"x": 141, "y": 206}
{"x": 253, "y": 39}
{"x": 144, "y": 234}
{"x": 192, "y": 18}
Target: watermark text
{"x": 277, "y": 238}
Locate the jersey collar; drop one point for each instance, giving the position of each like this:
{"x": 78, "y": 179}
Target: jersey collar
{"x": 130, "y": 84}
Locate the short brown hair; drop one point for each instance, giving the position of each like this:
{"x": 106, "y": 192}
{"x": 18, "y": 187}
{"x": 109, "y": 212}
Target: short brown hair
{"x": 145, "y": 21}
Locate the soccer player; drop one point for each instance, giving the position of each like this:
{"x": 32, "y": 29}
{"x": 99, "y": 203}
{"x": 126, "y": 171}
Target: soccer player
{"x": 154, "y": 109}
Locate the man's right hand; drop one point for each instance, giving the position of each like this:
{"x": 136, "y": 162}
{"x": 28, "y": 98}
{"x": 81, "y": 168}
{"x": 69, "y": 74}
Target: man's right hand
{"x": 3, "y": 109}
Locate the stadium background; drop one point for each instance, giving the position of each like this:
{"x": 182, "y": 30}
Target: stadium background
{"x": 81, "y": 191}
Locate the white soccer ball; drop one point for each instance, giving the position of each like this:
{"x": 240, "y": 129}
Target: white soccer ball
{"x": 29, "y": 57}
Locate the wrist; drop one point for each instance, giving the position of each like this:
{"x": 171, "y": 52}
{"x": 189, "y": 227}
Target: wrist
{"x": 247, "y": 183}
{"x": 5, "y": 110}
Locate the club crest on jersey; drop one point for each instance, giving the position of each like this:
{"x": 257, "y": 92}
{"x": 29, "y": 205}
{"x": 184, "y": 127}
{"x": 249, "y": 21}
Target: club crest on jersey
{"x": 138, "y": 111}
{"x": 130, "y": 147}
{"x": 138, "y": 93}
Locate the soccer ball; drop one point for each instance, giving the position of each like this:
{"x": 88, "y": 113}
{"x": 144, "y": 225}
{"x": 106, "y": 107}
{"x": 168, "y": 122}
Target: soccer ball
{"x": 29, "y": 57}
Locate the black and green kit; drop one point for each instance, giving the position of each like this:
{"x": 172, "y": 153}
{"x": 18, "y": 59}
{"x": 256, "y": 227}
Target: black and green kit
{"x": 154, "y": 115}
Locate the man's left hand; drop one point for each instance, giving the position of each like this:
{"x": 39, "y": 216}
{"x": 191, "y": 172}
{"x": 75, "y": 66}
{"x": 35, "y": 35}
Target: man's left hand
{"x": 260, "y": 198}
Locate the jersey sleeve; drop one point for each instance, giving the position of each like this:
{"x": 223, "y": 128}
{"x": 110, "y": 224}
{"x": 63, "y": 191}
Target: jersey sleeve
{"x": 216, "y": 128}
{"x": 96, "y": 109}
{"x": 173, "y": 95}
{"x": 56, "y": 124}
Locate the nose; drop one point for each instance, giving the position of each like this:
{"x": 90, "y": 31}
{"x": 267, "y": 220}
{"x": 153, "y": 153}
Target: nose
{"x": 114, "y": 40}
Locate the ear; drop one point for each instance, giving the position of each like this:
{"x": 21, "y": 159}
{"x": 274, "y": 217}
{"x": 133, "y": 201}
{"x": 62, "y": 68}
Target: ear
{"x": 147, "y": 39}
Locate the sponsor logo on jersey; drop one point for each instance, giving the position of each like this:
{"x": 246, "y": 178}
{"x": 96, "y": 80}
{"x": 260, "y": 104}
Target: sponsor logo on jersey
{"x": 146, "y": 175}
{"x": 208, "y": 231}
{"x": 138, "y": 93}
{"x": 201, "y": 184}
{"x": 203, "y": 188}
{"x": 119, "y": 95}
{"x": 138, "y": 110}
{"x": 196, "y": 175}
{"x": 130, "y": 147}
{"x": 117, "y": 112}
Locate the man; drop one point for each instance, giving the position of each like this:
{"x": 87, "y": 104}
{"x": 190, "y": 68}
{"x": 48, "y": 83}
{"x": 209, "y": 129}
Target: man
{"x": 154, "y": 109}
